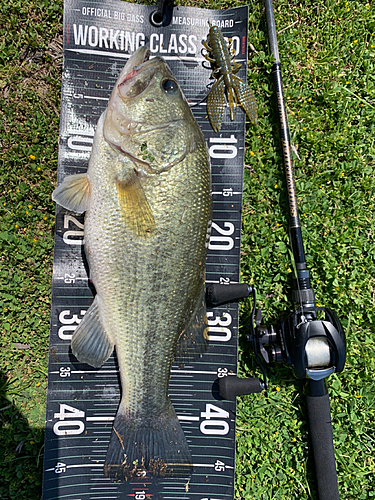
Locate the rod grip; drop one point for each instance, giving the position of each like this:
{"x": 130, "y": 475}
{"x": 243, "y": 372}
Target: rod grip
{"x": 232, "y": 386}
{"x": 319, "y": 416}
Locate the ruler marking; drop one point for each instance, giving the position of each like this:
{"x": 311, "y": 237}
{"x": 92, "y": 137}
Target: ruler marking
{"x": 100, "y": 419}
{"x": 186, "y": 418}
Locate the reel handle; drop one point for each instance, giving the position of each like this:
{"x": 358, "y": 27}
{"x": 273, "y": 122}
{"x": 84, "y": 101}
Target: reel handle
{"x": 231, "y": 386}
{"x": 319, "y": 417}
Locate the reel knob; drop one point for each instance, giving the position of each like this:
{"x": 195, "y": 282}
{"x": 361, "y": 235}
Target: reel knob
{"x": 232, "y": 386}
{"x": 221, "y": 294}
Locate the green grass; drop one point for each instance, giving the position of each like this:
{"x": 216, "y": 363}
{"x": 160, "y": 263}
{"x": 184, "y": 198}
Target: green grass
{"x": 327, "y": 51}
{"x": 29, "y": 123}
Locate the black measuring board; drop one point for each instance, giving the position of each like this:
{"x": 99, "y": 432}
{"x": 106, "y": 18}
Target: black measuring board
{"x": 82, "y": 401}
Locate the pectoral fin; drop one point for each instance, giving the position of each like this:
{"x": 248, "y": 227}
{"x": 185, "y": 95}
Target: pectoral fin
{"x": 216, "y": 104}
{"x": 134, "y": 206}
{"x": 193, "y": 340}
{"x": 90, "y": 343}
{"x": 245, "y": 98}
{"x": 73, "y": 193}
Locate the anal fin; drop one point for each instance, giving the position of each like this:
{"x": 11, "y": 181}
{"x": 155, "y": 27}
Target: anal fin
{"x": 73, "y": 193}
{"x": 90, "y": 343}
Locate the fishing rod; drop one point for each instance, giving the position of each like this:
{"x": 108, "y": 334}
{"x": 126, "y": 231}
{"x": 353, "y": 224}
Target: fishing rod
{"x": 310, "y": 338}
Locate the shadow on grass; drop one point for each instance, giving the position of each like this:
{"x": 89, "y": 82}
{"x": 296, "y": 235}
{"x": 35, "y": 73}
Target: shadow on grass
{"x": 21, "y": 451}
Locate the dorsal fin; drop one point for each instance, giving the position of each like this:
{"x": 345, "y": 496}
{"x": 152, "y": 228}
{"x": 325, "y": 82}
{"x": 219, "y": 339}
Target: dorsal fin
{"x": 90, "y": 342}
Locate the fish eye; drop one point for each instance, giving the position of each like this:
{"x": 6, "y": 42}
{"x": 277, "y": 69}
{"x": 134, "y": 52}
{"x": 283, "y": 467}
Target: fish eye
{"x": 170, "y": 86}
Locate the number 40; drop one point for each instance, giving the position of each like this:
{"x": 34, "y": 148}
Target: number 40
{"x": 213, "y": 424}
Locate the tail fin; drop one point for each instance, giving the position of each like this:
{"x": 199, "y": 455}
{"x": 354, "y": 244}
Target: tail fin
{"x": 155, "y": 443}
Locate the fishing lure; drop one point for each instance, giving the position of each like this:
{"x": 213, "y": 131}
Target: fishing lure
{"x": 225, "y": 69}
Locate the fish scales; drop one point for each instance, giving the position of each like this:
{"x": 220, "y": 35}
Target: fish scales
{"x": 148, "y": 211}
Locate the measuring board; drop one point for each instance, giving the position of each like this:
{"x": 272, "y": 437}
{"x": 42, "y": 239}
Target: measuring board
{"x": 82, "y": 401}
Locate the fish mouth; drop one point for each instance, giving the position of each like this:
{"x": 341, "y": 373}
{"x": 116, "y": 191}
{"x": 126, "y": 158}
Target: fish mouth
{"x": 138, "y": 73}
{"x": 135, "y": 63}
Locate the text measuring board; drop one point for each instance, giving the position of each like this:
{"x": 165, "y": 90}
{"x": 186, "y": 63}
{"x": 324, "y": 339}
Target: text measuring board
{"x": 82, "y": 401}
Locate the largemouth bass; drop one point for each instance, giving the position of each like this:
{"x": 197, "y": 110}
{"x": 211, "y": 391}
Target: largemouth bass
{"x": 148, "y": 208}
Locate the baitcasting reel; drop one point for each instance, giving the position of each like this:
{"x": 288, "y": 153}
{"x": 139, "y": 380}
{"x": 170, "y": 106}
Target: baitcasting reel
{"x": 314, "y": 347}
{"x": 310, "y": 339}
